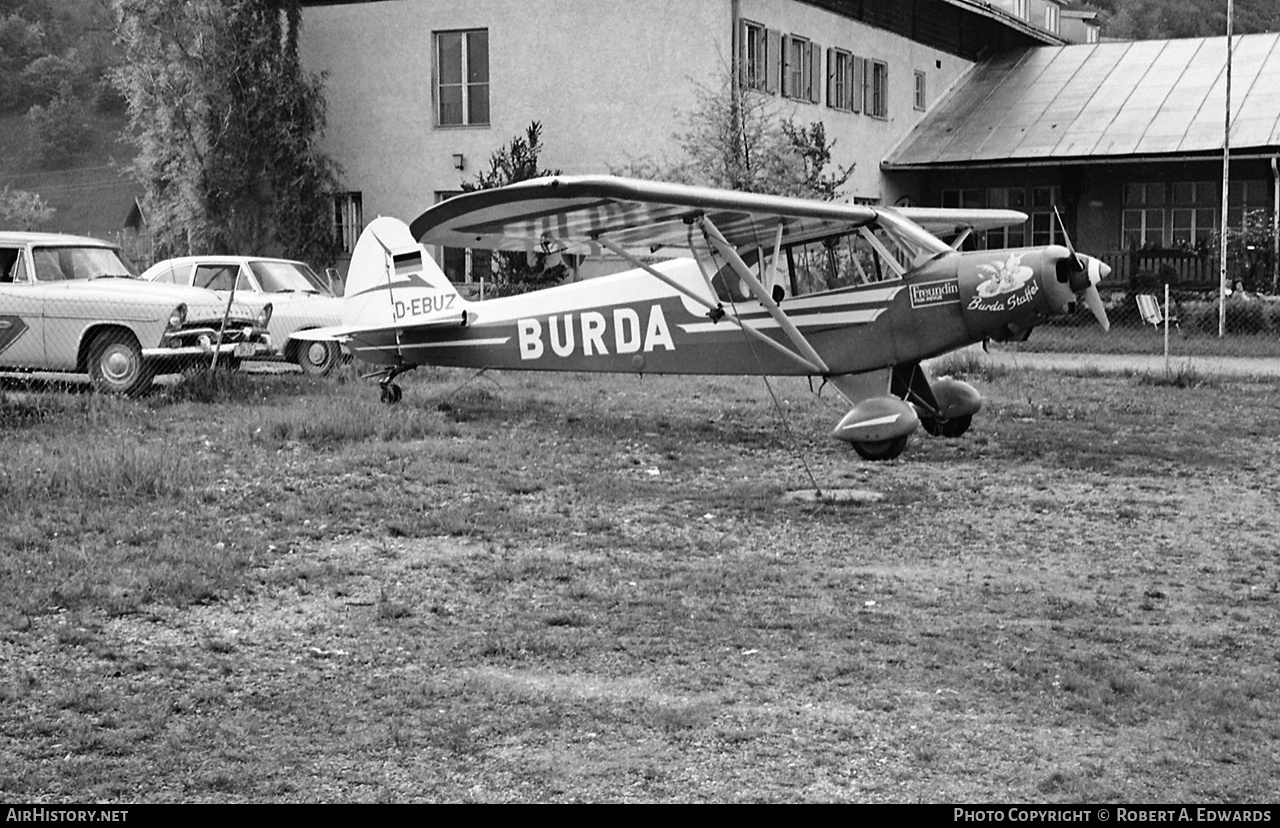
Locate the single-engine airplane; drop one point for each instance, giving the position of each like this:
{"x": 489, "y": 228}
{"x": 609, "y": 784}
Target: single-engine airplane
{"x": 722, "y": 283}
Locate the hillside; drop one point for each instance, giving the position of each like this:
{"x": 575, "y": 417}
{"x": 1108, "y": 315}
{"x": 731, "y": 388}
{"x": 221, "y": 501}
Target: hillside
{"x": 92, "y": 194}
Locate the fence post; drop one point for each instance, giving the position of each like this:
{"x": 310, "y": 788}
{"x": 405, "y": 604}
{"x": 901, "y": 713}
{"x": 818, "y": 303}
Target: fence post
{"x": 1166, "y": 328}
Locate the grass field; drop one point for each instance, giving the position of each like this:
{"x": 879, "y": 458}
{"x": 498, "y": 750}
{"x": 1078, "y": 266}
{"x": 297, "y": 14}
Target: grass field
{"x": 569, "y": 588}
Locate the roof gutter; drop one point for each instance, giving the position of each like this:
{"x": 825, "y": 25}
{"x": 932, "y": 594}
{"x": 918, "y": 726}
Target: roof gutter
{"x": 1078, "y": 161}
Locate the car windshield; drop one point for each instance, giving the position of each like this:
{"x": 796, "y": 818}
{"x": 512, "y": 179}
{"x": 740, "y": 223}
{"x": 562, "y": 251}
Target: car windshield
{"x": 287, "y": 277}
{"x": 60, "y": 264}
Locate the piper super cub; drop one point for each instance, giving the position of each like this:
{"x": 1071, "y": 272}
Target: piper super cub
{"x": 723, "y": 283}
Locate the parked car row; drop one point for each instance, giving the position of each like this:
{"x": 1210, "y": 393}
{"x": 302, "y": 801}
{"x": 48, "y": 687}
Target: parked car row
{"x": 72, "y": 304}
{"x": 299, "y": 297}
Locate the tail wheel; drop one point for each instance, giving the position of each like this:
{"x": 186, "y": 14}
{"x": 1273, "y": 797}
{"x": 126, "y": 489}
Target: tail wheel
{"x": 116, "y": 366}
{"x": 953, "y": 427}
{"x": 882, "y": 449}
{"x": 319, "y": 358}
{"x": 391, "y": 394}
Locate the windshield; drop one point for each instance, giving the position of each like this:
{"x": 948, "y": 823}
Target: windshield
{"x": 287, "y": 277}
{"x": 60, "y": 264}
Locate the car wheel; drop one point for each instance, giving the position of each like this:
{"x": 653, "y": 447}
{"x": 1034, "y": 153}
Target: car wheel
{"x": 116, "y": 366}
{"x": 319, "y": 358}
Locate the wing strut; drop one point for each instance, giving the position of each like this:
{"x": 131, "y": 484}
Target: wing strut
{"x": 743, "y": 272}
{"x": 814, "y": 367}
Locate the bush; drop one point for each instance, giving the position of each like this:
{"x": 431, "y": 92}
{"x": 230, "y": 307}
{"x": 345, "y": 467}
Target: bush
{"x": 1244, "y": 316}
{"x": 61, "y": 129}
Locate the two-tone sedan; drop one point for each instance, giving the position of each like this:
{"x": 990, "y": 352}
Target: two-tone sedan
{"x": 71, "y": 304}
{"x": 300, "y": 299}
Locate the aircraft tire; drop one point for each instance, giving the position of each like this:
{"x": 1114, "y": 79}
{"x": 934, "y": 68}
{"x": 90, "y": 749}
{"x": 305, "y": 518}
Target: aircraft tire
{"x": 391, "y": 394}
{"x": 882, "y": 449}
{"x": 953, "y": 427}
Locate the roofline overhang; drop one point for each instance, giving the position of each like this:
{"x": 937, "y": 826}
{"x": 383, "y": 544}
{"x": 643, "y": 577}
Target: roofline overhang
{"x": 986, "y": 9}
{"x": 1088, "y": 160}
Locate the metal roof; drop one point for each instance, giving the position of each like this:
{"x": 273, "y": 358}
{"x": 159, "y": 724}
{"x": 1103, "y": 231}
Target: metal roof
{"x": 1142, "y": 98}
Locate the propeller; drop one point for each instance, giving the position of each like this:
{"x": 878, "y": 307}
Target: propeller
{"x": 1083, "y": 275}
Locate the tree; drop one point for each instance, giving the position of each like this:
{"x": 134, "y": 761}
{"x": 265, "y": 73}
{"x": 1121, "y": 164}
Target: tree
{"x": 61, "y": 128}
{"x": 1249, "y": 251}
{"x": 1158, "y": 19}
{"x": 518, "y": 161}
{"x": 19, "y": 208}
{"x": 226, "y": 124}
{"x": 739, "y": 140}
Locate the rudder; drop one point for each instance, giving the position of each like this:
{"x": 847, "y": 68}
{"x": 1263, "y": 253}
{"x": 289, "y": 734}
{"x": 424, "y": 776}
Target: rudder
{"x": 394, "y": 282}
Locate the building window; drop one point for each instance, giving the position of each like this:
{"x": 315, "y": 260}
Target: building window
{"x": 1142, "y": 222}
{"x": 799, "y": 68}
{"x": 1193, "y": 219}
{"x": 843, "y": 84}
{"x": 1045, "y": 228}
{"x": 962, "y": 199}
{"x": 877, "y": 88}
{"x": 1243, "y": 196}
{"x": 348, "y": 220}
{"x": 463, "y": 265}
{"x": 1007, "y": 198}
{"x": 755, "y": 56}
{"x": 462, "y": 78}
{"x": 920, "y": 91}
{"x": 1052, "y": 17}
{"x": 1020, "y": 9}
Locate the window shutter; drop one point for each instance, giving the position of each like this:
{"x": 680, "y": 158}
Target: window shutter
{"x": 785, "y": 66}
{"x": 857, "y": 70}
{"x": 773, "y": 61}
{"x": 815, "y": 73}
{"x": 851, "y": 91}
{"x": 743, "y": 79}
{"x": 831, "y": 76}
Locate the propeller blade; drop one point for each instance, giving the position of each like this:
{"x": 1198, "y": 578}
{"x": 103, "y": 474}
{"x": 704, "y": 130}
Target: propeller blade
{"x": 1093, "y": 301}
{"x": 1076, "y": 263}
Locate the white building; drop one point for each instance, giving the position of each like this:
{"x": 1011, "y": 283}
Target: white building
{"x": 422, "y": 92}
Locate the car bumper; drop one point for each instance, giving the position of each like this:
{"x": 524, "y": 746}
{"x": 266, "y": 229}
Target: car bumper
{"x": 238, "y": 350}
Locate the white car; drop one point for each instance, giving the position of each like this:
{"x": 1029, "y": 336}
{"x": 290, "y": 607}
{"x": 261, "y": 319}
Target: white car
{"x": 299, "y": 298}
{"x": 71, "y": 304}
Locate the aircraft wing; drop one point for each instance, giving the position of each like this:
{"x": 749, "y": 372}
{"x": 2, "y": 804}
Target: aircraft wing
{"x": 569, "y": 214}
{"x": 948, "y": 221}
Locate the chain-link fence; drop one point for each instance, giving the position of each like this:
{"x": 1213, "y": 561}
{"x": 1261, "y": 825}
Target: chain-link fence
{"x": 62, "y": 311}
{"x": 72, "y": 310}
{"x": 1250, "y": 326}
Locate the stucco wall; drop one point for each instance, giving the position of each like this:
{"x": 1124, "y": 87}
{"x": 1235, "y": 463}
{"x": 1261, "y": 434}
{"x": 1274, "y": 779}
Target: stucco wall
{"x": 860, "y": 139}
{"x": 607, "y": 86}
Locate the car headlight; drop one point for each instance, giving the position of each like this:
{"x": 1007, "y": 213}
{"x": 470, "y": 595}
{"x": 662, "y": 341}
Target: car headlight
{"x": 264, "y": 315}
{"x": 178, "y": 318}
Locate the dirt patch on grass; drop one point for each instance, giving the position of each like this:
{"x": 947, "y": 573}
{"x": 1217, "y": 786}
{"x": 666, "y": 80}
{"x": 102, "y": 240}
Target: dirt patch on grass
{"x": 565, "y": 590}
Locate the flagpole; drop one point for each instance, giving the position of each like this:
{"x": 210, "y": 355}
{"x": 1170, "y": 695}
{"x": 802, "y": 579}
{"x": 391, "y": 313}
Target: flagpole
{"x": 1226, "y": 184}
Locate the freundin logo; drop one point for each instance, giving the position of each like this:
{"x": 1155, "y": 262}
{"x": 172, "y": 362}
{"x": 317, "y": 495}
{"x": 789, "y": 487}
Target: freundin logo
{"x": 935, "y": 293}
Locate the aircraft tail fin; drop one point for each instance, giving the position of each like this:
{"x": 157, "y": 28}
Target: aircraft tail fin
{"x": 394, "y": 282}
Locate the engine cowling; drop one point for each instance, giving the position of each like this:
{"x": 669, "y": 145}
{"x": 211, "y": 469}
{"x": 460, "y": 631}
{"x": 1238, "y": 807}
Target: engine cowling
{"x": 1008, "y": 292}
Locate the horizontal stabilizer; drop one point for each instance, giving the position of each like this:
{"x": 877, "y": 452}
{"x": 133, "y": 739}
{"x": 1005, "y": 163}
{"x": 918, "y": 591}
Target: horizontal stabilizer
{"x": 342, "y": 333}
